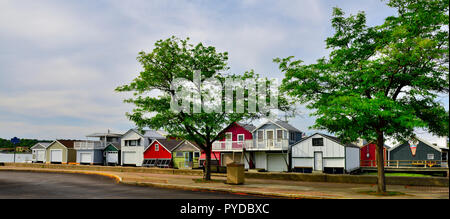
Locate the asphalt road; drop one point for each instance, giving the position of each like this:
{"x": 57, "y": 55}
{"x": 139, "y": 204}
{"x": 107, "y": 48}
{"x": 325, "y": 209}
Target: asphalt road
{"x": 33, "y": 185}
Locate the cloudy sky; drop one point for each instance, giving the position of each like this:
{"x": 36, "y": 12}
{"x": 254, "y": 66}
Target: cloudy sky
{"x": 60, "y": 60}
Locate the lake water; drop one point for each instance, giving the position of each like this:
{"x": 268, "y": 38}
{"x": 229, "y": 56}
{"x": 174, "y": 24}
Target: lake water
{"x": 20, "y": 158}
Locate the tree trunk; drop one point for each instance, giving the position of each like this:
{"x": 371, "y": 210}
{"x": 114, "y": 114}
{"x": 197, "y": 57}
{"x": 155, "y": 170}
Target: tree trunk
{"x": 207, "y": 168}
{"x": 380, "y": 162}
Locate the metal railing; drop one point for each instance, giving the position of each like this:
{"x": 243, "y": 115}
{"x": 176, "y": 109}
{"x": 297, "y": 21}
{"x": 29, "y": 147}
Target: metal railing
{"x": 232, "y": 145}
{"x": 266, "y": 144}
{"x": 88, "y": 145}
{"x": 407, "y": 163}
{"x": 269, "y": 144}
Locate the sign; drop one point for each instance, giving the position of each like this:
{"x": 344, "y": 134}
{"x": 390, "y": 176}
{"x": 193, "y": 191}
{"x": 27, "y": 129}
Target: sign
{"x": 15, "y": 140}
{"x": 413, "y": 146}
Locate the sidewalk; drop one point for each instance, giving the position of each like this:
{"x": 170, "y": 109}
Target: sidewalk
{"x": 276, "y": 188}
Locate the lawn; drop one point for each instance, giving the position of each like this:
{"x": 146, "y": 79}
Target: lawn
{"x": 400, "y": 174}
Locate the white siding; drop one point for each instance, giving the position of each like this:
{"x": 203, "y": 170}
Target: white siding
{"x": 276, "y": 162}
{"x": 333, "y": 154}
{"x": 138, "y": 157}
{"x": 334, "y": 162}
{"x": 302, "y": 162}
{"x": 352, "y": 158}
{"x": 261, "y": 160}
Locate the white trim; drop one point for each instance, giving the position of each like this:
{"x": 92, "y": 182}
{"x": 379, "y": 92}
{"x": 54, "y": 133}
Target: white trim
{"x": 267, "y": 122}
{"x": 176, "y": 147}
{"x": 257, "y": 135}
{"x": 62, "y": 157}
{"x": 276, "y": 134}
{"x": 238, "y": 137}
{"x": 267, "y": 137}
{"x": 419, "y": 139}
{"x": 226, "y": 133}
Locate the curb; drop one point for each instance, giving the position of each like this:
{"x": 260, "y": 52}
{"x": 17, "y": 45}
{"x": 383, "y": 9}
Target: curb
{"x": 225, "y": 190}
{"x": 119, "y": 180}
{"x": 116, "y": 178}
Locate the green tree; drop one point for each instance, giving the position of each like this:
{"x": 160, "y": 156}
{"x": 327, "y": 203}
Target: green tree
{"x": 380, "y": 81}
{"x": 174, "y": 59}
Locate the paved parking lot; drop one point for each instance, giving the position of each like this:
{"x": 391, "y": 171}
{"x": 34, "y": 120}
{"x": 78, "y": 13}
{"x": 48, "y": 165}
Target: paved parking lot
{"x": 33, "y": 185}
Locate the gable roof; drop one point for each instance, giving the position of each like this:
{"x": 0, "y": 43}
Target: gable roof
{"x": 332, "y": 138}
{"x": 42, "y": 144}
{"x": 188, "y": 142}
{"x": 152, "y": 134}
{"x": 168, "y": 144}
{"x": 279, "y": 123}
{"x": 65, "y": 143}
{"x": 248, "y": 127}
{"x": 104, "y": 134}
{"x": 421, "y": 140}
{"x": 114, "y": 144}
{"x": 385, "y": 145}
{"x": 287, "y": 126}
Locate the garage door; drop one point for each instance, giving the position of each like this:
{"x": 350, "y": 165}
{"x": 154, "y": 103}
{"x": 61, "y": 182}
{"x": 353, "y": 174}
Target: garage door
{"x": 112, "y": 157}
{"x": 56, "y": 156}
{"x": 129, "y": 158}
{"x": 85, "y": 157}
{"x": 276, "y": 163}
{"x": 40, "y": 155}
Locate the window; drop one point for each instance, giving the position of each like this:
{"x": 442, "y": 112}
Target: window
{"x": 260, "y": 135}
{"x": 279, "y": 135}
{"x": 228, "y": 136}
{"x": 241, "y": 137}
{"x": 317, "y": 142}
{"x": 196, "y": 154}
{"x": 430, "y": 156}
{"x": 180, "y": 154}
{"x": 292, "y": 136}
{"x": 156, "y": 147}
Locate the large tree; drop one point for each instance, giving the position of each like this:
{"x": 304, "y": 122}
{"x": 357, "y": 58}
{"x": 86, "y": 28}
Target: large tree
{"x": 172, "y": 67}
{"x": 380, "y": 81}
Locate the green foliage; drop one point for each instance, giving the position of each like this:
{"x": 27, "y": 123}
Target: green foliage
{"x": 381, "y": 80}
{"x": 175, "y": 58}
{"x": 5, "y": 143}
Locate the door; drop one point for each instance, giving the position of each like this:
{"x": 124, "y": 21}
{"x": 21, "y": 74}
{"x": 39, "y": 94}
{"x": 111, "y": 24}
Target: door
{"x": 56, "y": 156}
{"x": 128, "y": 158}
{"x": 276, "y": 163}
{"x": 188, "y": 159}
{"x": 40, "y": 154}
{"x": 270, "y": 138}
{"x": 228, "y": 140}
{"x": 85, "y": 157}
{"x": 112, "y": 157}
{"x": 318, "y": 161}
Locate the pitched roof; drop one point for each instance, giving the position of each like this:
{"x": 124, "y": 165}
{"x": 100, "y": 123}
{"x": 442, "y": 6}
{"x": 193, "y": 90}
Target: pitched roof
{"x": 423, "y": 141}
{"x": 332, "y": 138}
{"x": 287, "y": 126}
{"x": 115, "y": 144}
{"x": 281, "y": 124}
{"x": 169, "y": 144}
{"x": 248, "y": 127}
{"x": 152, "y": 134}
{"x": 104, "y": 134}
{"x": 43, "y": 144}
{"x": 67, "y": 143}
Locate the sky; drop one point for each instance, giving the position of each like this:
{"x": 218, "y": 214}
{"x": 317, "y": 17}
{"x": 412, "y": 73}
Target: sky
{"x": 61, "y": 60}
